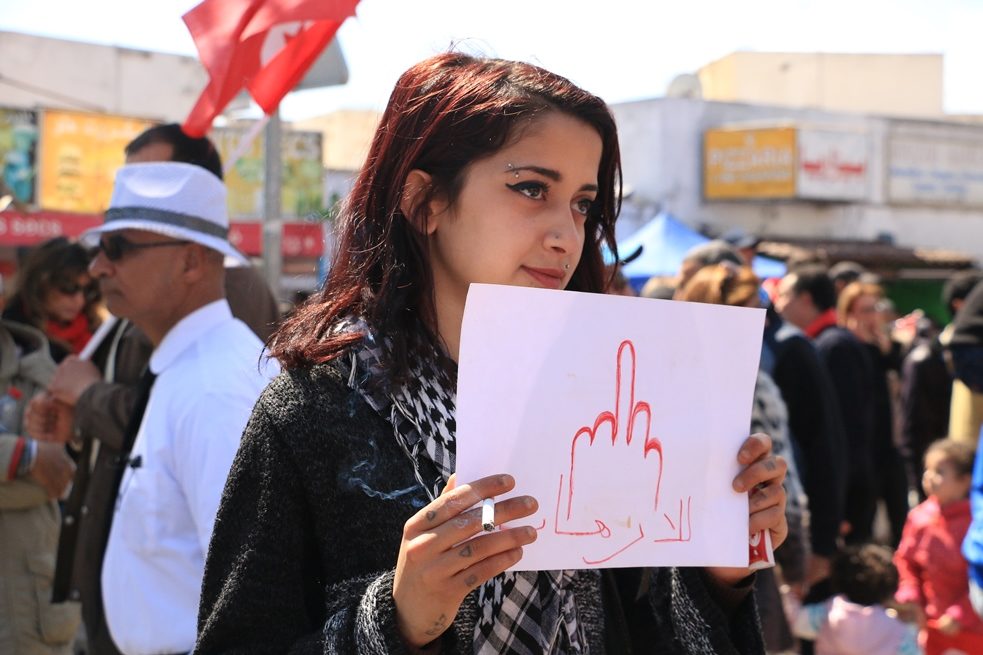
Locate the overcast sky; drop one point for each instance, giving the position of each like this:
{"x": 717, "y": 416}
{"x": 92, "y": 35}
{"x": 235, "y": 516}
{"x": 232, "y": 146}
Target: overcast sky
{"x": 618, "y": 49}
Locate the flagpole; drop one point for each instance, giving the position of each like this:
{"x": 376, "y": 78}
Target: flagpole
{"x": 272, "y": 254}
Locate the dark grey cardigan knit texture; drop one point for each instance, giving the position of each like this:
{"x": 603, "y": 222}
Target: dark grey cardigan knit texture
{"x": 307, "y": 535}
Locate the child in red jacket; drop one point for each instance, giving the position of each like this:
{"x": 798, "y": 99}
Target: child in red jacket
{"x": 934, "y": 577}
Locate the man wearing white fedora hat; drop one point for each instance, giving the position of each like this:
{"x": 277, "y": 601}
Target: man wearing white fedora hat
{"x": 159, "y": 263}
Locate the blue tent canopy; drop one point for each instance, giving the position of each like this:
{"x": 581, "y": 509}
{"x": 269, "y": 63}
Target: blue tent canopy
{"x": 665, "y": 241}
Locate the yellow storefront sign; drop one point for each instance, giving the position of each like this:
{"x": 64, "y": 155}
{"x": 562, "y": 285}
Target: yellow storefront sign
{"x": 749, "y": 163}
{"x": 78, "y": 154}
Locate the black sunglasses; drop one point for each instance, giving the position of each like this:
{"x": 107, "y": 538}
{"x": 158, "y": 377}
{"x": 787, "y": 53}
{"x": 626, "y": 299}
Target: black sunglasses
{"x": 71, "y": 288}
{"x": 115, "y": 246}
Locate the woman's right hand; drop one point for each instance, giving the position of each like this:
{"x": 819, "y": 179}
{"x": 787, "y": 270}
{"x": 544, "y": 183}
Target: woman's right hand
{"x": 441, "y": 560}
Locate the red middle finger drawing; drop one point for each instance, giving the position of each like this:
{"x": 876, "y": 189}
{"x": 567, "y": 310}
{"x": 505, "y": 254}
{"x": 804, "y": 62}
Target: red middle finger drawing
{"x": 624, "y": 460}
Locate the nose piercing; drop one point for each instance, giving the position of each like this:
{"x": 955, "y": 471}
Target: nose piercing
{"x": 566, "y": 267}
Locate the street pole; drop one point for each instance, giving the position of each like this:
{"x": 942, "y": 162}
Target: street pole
{"x": 272, "y": 223}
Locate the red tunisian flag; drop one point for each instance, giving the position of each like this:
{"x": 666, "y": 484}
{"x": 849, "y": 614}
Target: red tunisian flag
{"x": 264, "y": 45}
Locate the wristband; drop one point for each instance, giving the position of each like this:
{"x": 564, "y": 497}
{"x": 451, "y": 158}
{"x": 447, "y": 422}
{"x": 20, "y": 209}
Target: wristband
{"x": 27, "y": 457}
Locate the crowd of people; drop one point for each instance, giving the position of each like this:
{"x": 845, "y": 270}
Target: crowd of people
{"x": 176, "y": 458}
{"x": 878, "y": 417}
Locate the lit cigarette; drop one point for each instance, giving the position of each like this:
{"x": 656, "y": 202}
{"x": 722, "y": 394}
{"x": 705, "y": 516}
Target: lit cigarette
{"x": 488, "y": 514}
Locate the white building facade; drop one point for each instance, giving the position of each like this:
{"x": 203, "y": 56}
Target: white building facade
{"x": 805, "y": 173}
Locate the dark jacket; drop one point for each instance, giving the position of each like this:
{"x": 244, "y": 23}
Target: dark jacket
{"x": 251, "y": 300}
{"x": 926, "y": 393}
{"x": 968, "y": 323}
{"x": 101, "y": 415}
{"x": 890, "y": 473}
{"x": 304, "y": 547}
{"x": 966, "y": 342}
{"x": 816, "y": 429}
{"x": 852, "y": 374}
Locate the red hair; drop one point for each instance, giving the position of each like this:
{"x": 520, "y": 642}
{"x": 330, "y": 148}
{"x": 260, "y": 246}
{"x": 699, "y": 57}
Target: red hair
{"x": 444, "y": 113}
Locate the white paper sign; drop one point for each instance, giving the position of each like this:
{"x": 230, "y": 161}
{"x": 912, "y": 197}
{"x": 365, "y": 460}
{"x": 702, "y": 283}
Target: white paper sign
{"x": 621, "y": 416}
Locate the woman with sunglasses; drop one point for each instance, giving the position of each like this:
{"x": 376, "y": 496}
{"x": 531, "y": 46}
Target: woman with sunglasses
{"x": 56, "y": 295}
{"x": 341, "y": 529}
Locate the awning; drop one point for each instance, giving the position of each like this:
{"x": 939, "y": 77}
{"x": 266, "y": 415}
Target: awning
{"x": 665, "y": 240}
{"x": 875, "y": 255}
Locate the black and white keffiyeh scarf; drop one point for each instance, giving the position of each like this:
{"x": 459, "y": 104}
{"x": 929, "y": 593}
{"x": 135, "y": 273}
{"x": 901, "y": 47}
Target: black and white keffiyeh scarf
{"x": 522, "y": 612}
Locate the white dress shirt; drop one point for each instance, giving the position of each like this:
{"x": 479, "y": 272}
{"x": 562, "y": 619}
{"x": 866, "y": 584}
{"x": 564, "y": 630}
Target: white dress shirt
{"x": 209, "y": 375}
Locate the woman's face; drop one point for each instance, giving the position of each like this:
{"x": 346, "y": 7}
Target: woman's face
{"x": 519, "y": 218}
{"x": 65, "y": 300}
{"x": 864, "y": 320}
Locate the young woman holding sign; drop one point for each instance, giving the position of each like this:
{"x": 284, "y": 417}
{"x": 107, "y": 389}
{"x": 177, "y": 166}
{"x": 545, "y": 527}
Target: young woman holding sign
{"x": 339, "y": 531}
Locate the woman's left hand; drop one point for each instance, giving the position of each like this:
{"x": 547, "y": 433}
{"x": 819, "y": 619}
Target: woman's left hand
{"x": 761, "y": 478}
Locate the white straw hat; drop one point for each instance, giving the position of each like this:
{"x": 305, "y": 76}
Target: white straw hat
{"x": 178, "y": 200}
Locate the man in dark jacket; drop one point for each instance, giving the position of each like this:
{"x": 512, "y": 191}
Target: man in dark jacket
{"x": 966, "y": 343}
{"x": 817, "y": 435}
{"x": 926, "y": 383}
{"x": 807, "y": 299}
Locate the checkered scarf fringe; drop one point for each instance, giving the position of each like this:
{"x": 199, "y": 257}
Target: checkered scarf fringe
{"x": 526, "y": 613}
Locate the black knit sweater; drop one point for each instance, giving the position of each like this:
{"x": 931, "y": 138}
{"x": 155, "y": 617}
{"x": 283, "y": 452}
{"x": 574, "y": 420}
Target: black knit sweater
{"x": 305, "y": 544}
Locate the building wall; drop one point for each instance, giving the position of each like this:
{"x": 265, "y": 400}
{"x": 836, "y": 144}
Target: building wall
{"x": 43, "y": 72}
{"x": 896, "y": 85}
{"x": 661, "y": 141}
{"x": 337, "y": 185}
{"x": 347, "y": 136}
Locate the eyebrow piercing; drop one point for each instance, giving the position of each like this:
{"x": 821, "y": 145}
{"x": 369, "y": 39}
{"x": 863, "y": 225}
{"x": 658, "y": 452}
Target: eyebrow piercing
{"x": 512, "y": 168}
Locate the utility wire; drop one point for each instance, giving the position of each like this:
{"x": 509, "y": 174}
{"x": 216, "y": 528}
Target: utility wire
{"x": 30, "y": 88}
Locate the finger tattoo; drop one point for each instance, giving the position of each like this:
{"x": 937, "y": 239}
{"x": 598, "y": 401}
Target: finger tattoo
{"x": 471, "y": 581}
{"x": 760, "y": 497}
{"x": 431, "y": 515}
{"x": 466, "y": 551}
{"x": 438, "y": 626}
{"x": 771, "y": 465}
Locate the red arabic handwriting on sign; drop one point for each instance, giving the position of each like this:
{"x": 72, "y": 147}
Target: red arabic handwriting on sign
{"x": 619, "y": 451}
